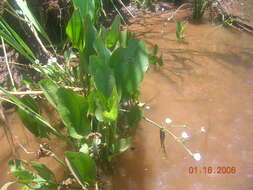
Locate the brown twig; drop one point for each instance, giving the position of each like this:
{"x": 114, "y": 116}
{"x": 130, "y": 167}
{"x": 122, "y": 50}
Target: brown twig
{"x": 7, "y": 63}
{"x": 37, "y": 92}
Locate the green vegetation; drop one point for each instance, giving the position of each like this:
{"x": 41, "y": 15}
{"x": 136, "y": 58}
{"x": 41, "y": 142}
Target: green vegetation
{"x": 180, "y": 31}
{"x": 94, "y": 86}
{"x": 100, "y": 117}
{"x": 199, "y": 8}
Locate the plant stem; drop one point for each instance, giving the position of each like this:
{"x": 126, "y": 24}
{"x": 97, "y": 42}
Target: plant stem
{"x": 37, "y": 92}
{"x": 7, "y": 64}
{"x": 170, "y": 133}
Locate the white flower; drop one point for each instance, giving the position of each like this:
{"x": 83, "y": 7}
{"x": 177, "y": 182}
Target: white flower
{"x": 168, "y": 120}
{"x": 54, "y": 59}
{"x": 184, "y": 135}
{"x": 147, "y": 107}
{"x": 202, "y": 129}
{"x": 37, "y": 61}
{"x": 197, "y": 156}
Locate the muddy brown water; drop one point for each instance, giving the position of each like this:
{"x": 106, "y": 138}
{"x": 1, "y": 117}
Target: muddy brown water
{"x": 206, "y": 83}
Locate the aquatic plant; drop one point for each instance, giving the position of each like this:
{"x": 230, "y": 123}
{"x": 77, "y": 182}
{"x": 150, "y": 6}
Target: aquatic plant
{"x": 199, "y": 8}
{"x": 110, "y": 67}
{"x": 180, "y": 31}
{"x": 94, "y": 89}
{"x": 153, "y": 57}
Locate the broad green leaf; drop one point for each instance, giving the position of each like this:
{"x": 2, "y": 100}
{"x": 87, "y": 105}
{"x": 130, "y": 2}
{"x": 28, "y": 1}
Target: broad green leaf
{"x": 71, "y": 107}
{"x": 87, "y": 8}
{"x": 31, "y": 123}
{"x": 7, "y": 185}
{"x": 102, "y": 75}
{"x": 90, "y": 37}
{"x": 102, "y": 51}
{"x": 111, "y": 113}
{"x": 43, "y": 171}
{"x": 43, "y": 179}
{"x": 92, "y": 102}
{"x": 23, "y": 176}
{"x": 129, "y": 65}
{"x": 75, "y": 31}
{"x": 114, "y": 33}
{"x": 82, "y": 166}
{"x": 107, "y": 108}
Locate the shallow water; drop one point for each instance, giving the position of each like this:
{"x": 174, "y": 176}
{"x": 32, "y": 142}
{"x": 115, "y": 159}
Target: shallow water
{"x": 27, "y": 147}
{"x": 206, "y": 83}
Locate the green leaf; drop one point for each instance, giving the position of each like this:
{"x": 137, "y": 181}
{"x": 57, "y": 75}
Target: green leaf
{"x": 102, "y": 51}
{"x": 7, "y": 185}
{"x": 90, "y": 37}
{"x": 180, "y": 31}
{"x": 111, "y": 113}
{"x": 129, "y": 65}
{"x": 16, "y": 164}
{"x": 81, "y": 33}
{"x": 71, "y": 107}
{"x": 107, "y": 108}
{"x": 31, "y": 123}
{"x": 12, "y": 38}
{"x": 44, "y": 172}
{"x": 75, "y": 31}
{"x": 87, "y": 8}
{"x": 102, "y": 75}
{"x": 30, "y": 112}
{"x": 82, "y": 167}
{"x": 114, "y": 33}
{"x": 23, "y": 176}
{"x": 124, "y": 35}
{"x": 92, "y": 102}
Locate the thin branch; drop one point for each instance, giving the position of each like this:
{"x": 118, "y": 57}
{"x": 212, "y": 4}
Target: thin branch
{"x": 7, "y": 63}
{"x": 178, "y": 9}
{"x": 126, "y": 8}
{"x": 178, "y": 139}
{"x": 35, "y": 33}
{"x": 37, "y": 92}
